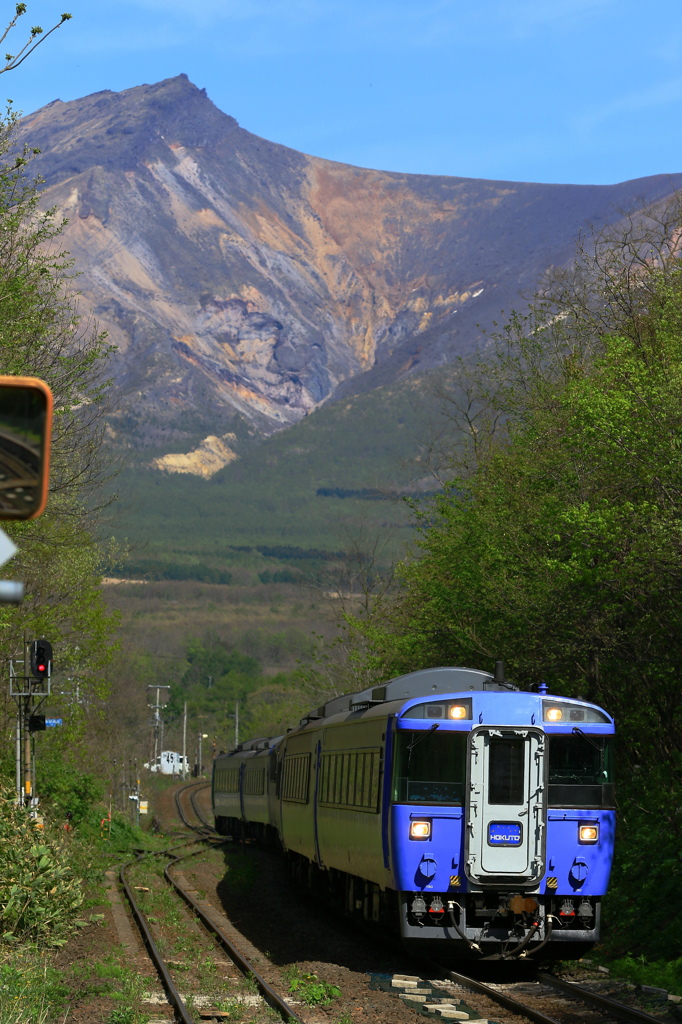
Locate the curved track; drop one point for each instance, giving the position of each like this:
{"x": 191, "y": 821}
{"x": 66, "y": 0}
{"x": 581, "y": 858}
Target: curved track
{"x": 192, "y": 790}
{"x": 610, "y": 1009}
{"x": 205, "y": 834}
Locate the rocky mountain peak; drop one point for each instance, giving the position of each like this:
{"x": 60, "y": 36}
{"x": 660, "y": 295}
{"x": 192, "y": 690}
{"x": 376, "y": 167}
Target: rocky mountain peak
{"x": 246, "y": 283}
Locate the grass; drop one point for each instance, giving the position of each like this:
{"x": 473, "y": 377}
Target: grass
{"x": 666, "y": 974}
{"x": 127, "y": 1015}
{"x": 110, "y": 977}
{"x": 232, "y": 1007}
{"x": 309, "y": 989}
{"x": 31, "y": 990}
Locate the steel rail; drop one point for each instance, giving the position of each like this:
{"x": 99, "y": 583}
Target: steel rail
{"x": 181, "y": 811}
{"x": 577, "y": 992}
{"x": 271, "y": 997}
{"x": 193, "y": 800}
{"x": 269, "y": 994}
{"x": 508, "y": 1002}
{"x": 169, "y": 985}
{"x": 174, "y": 997}
{"x": 615, "y": 1008}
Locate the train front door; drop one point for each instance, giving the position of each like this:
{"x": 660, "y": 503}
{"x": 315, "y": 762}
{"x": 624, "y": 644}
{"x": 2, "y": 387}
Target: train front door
{"x": 506, "y": 806}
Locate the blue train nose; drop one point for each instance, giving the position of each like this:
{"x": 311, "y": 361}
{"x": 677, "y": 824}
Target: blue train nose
{"x": 578, "y": 873}
{"x": 426, "y": 870}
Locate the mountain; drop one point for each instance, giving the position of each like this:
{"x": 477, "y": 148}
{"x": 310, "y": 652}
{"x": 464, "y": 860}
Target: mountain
{"x": 246, "y": 284}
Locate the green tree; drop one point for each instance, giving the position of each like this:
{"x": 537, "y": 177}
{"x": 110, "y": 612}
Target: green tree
{"x": 42, "y": 334}
{"x": 556, "y": 543}
{"x": 216, "y": 678}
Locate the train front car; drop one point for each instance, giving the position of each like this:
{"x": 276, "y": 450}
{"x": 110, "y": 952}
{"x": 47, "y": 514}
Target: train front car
{"x": 502, "y": 816}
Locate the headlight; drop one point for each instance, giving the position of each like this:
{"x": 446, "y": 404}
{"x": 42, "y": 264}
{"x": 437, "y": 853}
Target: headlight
{"x": 458, "y": 711}
{"x": 588, "y": 833}
{"x": 569, "y": 711}
{"x": 420, "y": 830}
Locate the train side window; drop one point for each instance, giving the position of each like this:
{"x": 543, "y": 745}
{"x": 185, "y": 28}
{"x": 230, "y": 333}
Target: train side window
{"x": 227, "y": 780}
{"x": 350, "y": 780}
{"x": 362, "y": 781}
{"x": 254, "y": 782}
{"x": 343, "y": 778}
{"x": 295, "y": 778}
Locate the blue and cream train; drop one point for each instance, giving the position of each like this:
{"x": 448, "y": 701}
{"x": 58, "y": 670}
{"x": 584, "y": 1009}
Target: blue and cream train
{"x": 447, "y": 806}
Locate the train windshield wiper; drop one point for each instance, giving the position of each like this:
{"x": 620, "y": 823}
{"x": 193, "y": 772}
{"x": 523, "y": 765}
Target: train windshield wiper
{"x": 579, "y": 732}
{"x": 419, "y": 737}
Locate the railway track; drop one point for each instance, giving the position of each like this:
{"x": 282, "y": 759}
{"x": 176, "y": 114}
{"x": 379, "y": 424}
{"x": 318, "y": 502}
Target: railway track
{"x": 213, "y": 922}
{"x": 546, "y": 999}
{"x": 540, "y": 997}
{"x": 192, "y": 791}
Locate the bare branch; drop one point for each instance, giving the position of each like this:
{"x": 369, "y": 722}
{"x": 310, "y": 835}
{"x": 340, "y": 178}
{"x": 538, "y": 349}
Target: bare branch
{"x": 35, "y": 38}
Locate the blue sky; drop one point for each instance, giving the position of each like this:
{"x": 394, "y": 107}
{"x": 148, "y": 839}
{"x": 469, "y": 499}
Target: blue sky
{"x": 584, "y": 91}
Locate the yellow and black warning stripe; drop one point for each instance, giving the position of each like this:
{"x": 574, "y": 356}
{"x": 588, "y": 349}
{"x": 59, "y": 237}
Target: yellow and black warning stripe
{"x": 455, "y": 882}
{"x": 552, "y": 883}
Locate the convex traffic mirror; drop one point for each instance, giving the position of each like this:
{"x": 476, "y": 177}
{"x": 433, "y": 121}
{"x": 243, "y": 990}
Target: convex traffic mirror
{"x": 25, "y": 429}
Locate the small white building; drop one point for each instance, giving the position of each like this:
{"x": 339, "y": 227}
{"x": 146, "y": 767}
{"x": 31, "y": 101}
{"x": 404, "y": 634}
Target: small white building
{"x": 169, "y": 763}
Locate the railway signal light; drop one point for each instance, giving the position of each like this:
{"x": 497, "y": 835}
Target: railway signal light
{"x": 41, "y": 659}
{"x": 36, "y": 723}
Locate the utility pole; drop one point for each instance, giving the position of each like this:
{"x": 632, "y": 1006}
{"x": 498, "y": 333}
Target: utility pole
{"x": 157, "y": 721}
{"x": 27, "y": 732}
{"x": 18, "y": 751}
{"x": 236, "y": 722}
{"x": 184, "y": 742}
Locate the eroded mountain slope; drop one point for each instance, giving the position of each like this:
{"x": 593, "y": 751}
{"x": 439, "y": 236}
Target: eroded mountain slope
{"x": 245, "y": 283}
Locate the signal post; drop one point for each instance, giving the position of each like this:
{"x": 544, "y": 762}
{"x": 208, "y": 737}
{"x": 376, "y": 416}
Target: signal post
{"x": 30, "y": 690}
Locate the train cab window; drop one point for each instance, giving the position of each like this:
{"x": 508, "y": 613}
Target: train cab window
{"x": 506, "y": 770}
{"x": 429, "y": 767}
{"x": 581, "y": 771}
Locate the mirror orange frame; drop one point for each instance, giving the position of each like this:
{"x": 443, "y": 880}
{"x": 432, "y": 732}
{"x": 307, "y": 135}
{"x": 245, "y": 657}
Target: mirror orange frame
{"x": 35, "y": 385}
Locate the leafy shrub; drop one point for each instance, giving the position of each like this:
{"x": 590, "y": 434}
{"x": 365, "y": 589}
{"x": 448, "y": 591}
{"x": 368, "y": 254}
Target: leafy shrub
{"x": 64, "y": 789}
{"x": 648, "y": 861}
{"x": 39, "y": 892}
{"x": 660, "y": 973}
{"x": 310, "y": 990}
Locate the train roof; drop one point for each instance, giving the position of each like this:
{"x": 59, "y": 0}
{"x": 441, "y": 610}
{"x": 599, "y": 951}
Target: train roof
{"x": 427, "y": 682}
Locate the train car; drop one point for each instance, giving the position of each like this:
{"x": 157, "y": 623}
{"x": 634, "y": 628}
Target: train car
{"x": 447, "y": 806}
{"x": 241, "y": 784}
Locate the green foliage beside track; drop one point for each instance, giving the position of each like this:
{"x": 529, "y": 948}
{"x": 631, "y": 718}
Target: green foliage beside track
{"x": 40, "y": 894}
